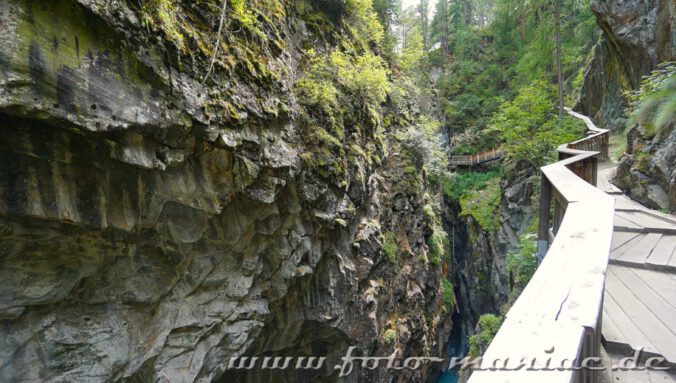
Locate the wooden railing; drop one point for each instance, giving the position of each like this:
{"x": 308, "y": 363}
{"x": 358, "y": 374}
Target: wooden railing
{"x": 556, "y": 321}
{"x": 475, "y": 159}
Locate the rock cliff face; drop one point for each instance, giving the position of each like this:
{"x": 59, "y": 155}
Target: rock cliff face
{"x": 637, "y": 36}
{"x": 160, "y": 214}
{"x": 480, "y": 255}
{"x": 647, "y": 173}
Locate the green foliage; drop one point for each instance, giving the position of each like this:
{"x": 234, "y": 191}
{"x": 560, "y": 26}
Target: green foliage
{"x": 249, "y": 31}
{"x": 482, "y": 205}
{"x": 449, "y": 295}
{"x": 390, "y": 246}
{"x": 317, "y": 87}
{"x": 365, "y": 75}
{"x": 486, "y": 328}
{"x": 618, "y": 145}
{"x": 365, "y": 20}
{"x": 492, "y": 48}
{"x": 529, "y": 126}
{"x": 460, "y": 184}
{"x": 342, "y": 95}
{"x": 521, "y": 263}
{"x": 439, "y": 245}
{"x": 165, "y": 12}
{"x": 654, "y": 104}
{"x": 246, "y": 17}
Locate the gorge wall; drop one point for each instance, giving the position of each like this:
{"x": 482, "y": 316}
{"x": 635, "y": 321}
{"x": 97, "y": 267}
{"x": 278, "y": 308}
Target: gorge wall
{"x": 637, "y": 36}
{"x": 164, "y": 208}
{"x": 483, "y": 280}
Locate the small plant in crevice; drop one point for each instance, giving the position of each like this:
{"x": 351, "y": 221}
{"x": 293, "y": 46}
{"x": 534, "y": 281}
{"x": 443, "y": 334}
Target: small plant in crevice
{"x": 390, "y": 246}
{"x": 390, "y": 337}
{"x": 449, "y": 295}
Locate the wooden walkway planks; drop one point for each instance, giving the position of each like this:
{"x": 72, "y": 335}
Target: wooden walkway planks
{"x": 649, "y": 223}
{"x": 644, "y": 250}
{"x": 640, "y": 295}
{"x": 658, "y": 335}
{"x": 641, "y": 249}
{"x": 620, "y": 376}
{"x": 664, "y": 251}
{"x": 620, "y": 238}
{"x": 646, "y": 293}
{"x": 629, "y": 333}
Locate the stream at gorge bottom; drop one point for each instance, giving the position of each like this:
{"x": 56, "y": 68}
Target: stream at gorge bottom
{"x": 457, "y": 348}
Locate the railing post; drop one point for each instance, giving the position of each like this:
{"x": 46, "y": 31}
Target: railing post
{"x": 543, "y": 223}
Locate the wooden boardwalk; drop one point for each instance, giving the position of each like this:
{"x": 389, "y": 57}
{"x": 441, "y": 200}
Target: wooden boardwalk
{"x": 606, "y": 276}
{"x": 639, "y": 310}
{"x": 476, "y": 159}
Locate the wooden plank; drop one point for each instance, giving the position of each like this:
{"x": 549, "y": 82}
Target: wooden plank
{"x": 614, "y": 254}
{"x": 663, "y": 251}
{"x": 662, "y": 283}
{"x": 646, "y": 221}
{"x": 662, "y": 310}
{"x": 623, "y": 222}
{"x": 611, "y": 333}
{"x": 660, "y": 337}
{"x": 633, "y": 336}
{"x": 621, "y": 237}
{"x": 642, "y": 376}
{"x": 640, "y": 252}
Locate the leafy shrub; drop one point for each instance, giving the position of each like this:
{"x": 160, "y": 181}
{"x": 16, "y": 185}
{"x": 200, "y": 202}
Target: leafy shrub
{"x": 339, "y": 91}
{"x": 529, "y": 126}
{"x": 521, "y": 263}
{"x": 364, "y": 75}
{"x": 473, "y": 141}
{"x": 422, "y": 141}
{"x": 654, "y": 104}
{"x": 482, "y": 204}
{"x": 486, "y": 328}
{"x": 439, "y": 245}
{"x": 459, "y": 184}
{"x": 365, "y": 20}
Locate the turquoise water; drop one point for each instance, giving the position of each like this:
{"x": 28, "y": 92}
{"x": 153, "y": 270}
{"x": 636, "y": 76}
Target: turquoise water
{"x": 450, "y": 376}
{"x": 456, "y": 349}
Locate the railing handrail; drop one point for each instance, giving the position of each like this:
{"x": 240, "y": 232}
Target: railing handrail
{"x": 471, "y": 159}
{"x": 557, "y": 317}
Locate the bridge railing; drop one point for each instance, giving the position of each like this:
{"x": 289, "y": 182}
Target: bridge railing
{"x": 555, "y": 324}
{"x": 473, "y": 159}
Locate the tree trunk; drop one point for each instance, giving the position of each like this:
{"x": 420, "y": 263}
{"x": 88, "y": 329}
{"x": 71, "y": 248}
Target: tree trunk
{"x": 425, "y": 23}
{"x": 444, "y": 29}
{"x": 559, "y": 70}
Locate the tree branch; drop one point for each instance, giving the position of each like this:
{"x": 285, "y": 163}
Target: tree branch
{"x": 218, "y": 41}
